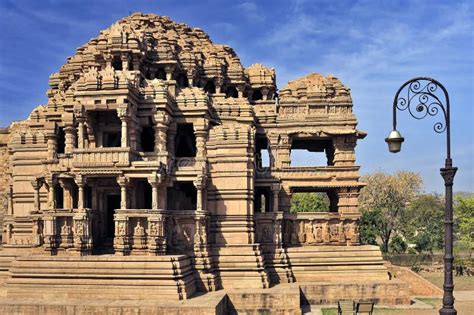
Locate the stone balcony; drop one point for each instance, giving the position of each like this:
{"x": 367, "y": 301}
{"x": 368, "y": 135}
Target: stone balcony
{"x": 307, "y": 176}
{"x": 103, "y": 157}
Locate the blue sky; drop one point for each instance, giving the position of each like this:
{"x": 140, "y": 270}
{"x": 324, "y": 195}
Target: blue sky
{"x": 372, "y": 46}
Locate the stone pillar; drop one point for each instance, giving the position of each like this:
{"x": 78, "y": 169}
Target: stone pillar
{"x": 125, "y": 119}
{"x": 123, "y": 183}
{"x": 67, "y": 192}
{"x": 80, "y": 133}
{"x": 200, "y": 184}
{"x": 52, "y": 146}
{"x": 51, "y": 193}
{"x": 276, "y": 197}
{"x": 36, "y": 186}
{"x": 124, "y": 138}
{"x": 201, "y": 144}
{"x": 70, "y": 135}
{"x": 80, "y": 181}
{"x": 10, "y": 199}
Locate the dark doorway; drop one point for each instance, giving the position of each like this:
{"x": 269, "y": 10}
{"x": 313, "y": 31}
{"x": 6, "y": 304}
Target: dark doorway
{"x": 185, "y": 142}
{"x": 113, "y": 202}
{"x": 147, "y": 138}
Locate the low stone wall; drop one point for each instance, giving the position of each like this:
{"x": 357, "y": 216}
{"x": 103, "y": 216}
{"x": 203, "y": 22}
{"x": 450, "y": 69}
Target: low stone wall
{"x": 392, "y": 292}
{"x": 418, "y": 286}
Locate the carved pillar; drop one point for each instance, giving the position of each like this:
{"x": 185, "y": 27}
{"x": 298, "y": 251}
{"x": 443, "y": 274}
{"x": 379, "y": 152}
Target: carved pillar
{"x": 70, "y": 135}
{"x": 52, "y": 146}
{"x": 67, "y": 192}
{"x": 125, "y": 119}
{"x": 201, "y": 144}
{"x": 276, "y": 194}
{"x": 161, "y": 128}
{"x": 200, "y": 184}
{"x": 80, "y": 181}
{"x": 80, "y": 133}
{"x": 123, "y": 183}
{"x": 51, "y": 193}
{"x": 36, "y": 186}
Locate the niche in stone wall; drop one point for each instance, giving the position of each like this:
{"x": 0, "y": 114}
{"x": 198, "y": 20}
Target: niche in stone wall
{"x": 185, "y": 141}
{"x": 182, "y": 196}
{"x": 311, "y": 152}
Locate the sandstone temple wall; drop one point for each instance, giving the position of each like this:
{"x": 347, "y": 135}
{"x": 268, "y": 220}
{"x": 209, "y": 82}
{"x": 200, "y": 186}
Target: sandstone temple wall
{"x": 152, "y": 143}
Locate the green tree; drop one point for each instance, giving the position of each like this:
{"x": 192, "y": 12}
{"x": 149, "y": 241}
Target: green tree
{"x": 424, "y": 222}
{"x": 397, "y": 245}
{"x": 464, "y": 218}
{"x": 389, "y": 196}
{"x": 309, "y": 202}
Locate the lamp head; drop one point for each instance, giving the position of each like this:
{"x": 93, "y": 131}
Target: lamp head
{"x": 394, "y": 141}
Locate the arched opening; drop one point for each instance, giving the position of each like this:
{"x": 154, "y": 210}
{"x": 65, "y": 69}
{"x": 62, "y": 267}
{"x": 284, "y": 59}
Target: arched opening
{"x": 232, "y": 92}
{"x": 257, "y": 95}
{"x": 210, "y": 87}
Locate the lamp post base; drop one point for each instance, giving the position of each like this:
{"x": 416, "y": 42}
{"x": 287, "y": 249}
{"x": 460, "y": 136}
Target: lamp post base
{"x": 447, "y": 311}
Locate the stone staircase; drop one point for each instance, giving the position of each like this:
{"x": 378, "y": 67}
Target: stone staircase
{"x": 326, "y": 274}
{"x": 241, "y": 266}
{"x": 101, "y": 277}
{"x": 337, "y": 263}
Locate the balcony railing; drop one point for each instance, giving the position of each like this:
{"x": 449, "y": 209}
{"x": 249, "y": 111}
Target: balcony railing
{"x": 103, "y": 157}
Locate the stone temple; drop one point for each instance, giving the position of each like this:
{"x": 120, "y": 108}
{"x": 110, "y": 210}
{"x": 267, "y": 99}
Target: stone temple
{"x": 144, "y": 178}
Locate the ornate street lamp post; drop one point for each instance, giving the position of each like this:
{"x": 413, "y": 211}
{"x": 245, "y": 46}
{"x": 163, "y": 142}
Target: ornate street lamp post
{"x": 423, "y": 97}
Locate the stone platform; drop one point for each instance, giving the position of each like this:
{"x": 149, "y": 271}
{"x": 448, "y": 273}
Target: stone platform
{"x": 101, "y": 277}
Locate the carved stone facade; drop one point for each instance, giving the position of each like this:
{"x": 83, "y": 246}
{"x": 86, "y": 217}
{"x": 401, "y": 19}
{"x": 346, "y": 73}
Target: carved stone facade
{"x": 151, "y": 144}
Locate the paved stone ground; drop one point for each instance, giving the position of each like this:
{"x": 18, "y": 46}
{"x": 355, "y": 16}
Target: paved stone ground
{"x": 464, "y": 305}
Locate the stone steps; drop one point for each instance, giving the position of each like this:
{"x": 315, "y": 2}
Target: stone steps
{"x": 125, "y": 277}
{"x": 241, "y": 266}
{"x": 336, "y": 263}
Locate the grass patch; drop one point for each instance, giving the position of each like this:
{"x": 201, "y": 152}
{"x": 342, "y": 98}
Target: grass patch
{"x": 329, "y": 311}
{"x": 463, "y": 283}
{"x": 432, "y": 302}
